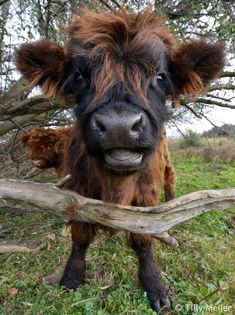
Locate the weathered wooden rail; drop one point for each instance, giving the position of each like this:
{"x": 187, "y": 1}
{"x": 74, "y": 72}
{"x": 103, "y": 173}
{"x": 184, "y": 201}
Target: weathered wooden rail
{"x": 143, "y": 220}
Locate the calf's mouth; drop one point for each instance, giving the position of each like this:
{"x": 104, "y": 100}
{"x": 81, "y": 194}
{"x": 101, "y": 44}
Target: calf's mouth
{"x": 123, "y": 159}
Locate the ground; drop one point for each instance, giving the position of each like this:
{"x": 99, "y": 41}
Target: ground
{"x": 201, "y": 269}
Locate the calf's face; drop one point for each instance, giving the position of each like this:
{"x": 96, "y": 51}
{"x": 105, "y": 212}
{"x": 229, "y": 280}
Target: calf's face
{"x": 121, "y": 68}
{"x": 42, "y": 147}
{"x": 120, "y": 129}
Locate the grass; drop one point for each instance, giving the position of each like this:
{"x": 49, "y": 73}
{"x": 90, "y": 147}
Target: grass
{"x": 201, "y": 269}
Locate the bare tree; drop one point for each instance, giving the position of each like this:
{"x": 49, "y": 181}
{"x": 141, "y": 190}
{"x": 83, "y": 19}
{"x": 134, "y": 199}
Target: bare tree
{"x": 24, "y": 20}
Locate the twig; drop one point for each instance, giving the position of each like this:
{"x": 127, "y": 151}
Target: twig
{"x": 214, "y": 125}
{"x": 63, "y": 181}
{"x": 14, "y": 159}
{"x": 33, "y": 172}
{"x": 106, "y": 5}
{"x": 116, "y": 3}
{"x": 16, "y": 246}
{"x": 181, "y": 132}
{"x": 221, "y": 98}
{"x": 192, "y": 110}
{"x": 210, "y": 294}
{"x": 18, "y": 125}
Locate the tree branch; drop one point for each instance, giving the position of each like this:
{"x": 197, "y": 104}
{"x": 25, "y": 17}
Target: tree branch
{"x": 8, "y": 246}
{"x": 142, "y": 220}
{"x": 19, "y": 90}
{"x": 220, "y": 98}
{"x": 191, "y": 110}
{"x": 213, "y": 102}
{"x": 34, "y": 105}
{"x": 7, "y": 126}
{"x": 226, "y": 74}
{"x": 219, "y": 87}
{"x": 106, "y": 5}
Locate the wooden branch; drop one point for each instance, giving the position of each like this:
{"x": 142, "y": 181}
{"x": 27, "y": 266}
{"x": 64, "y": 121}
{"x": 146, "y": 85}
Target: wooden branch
{"x": 213, "y": 102}
{"x": 8, "y": 246}
{"x": 7, "y": 126}
{"x": 34, "y": 105}
{"x": 142, "y": 220}
{"x": 220, "y": 97}
{"x": 219, "y": 87}
{"x": 18, "y": 91}
{"x": 225, "y": 74}
{"x": 106, "y": 5}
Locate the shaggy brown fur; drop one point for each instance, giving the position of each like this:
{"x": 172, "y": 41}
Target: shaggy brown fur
{"x": 195, "y": 66}
{"x": 123, "y": 62}
{"x": 38, "y": 63}
{"x": 142, "y": 188}
{"x": 47, "y": 148}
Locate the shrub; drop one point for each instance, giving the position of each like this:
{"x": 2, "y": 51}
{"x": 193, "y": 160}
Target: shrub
{"x": 227, "y": 130}
{"x": 191, "y": 139}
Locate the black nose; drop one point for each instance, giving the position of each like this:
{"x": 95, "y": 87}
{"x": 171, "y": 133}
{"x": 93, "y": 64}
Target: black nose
{"x": 114, "y": 125}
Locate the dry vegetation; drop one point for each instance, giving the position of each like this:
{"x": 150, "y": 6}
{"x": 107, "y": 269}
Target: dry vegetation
{"x": 210, "y": 150}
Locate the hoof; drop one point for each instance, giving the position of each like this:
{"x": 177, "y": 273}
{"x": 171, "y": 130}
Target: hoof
{"x": 70, "y": 283}
{"x": 161, "y": 301}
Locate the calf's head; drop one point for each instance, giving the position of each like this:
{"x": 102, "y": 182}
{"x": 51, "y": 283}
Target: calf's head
{"x": 43, "y": 148}
{"x": 121, "y": 68}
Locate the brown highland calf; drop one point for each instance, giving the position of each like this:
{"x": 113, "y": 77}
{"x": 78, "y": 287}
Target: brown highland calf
{"x": 121, "y": 67}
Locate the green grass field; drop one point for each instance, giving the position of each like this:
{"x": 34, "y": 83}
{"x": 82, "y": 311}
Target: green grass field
{"x": 201, "y": 269}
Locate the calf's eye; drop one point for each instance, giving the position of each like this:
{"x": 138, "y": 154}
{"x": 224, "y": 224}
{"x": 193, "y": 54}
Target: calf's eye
{"x": 156, "y": 79}
{"x": 79, "y": 77}
{"x": 159, "y": 77}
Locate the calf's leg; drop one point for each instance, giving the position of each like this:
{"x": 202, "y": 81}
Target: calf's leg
{"x": 82, "y": 235}
{"x": 169, "y": 182}
{"x": 149, "y": 274}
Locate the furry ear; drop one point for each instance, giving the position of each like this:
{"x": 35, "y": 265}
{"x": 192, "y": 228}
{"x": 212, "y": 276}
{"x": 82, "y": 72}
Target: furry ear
{"x": 195, "y": 65}
{"x": 24, "y": 139}
{"x": 43, "y": 63}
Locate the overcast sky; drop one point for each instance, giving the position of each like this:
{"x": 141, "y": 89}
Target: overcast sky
{"x": 217, "y": 115}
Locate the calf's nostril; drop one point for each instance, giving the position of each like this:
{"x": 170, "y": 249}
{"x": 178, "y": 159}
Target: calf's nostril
{"x": 137, "y": 124}
{"x": 98, "y": 124}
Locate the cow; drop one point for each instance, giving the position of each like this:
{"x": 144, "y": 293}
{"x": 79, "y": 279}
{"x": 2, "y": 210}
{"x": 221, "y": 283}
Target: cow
{"x": 46, "y": 146}
{"x": 121, "y": 68}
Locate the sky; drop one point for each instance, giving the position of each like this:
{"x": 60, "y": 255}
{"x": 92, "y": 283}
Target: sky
{"x": 217, "y": 115}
